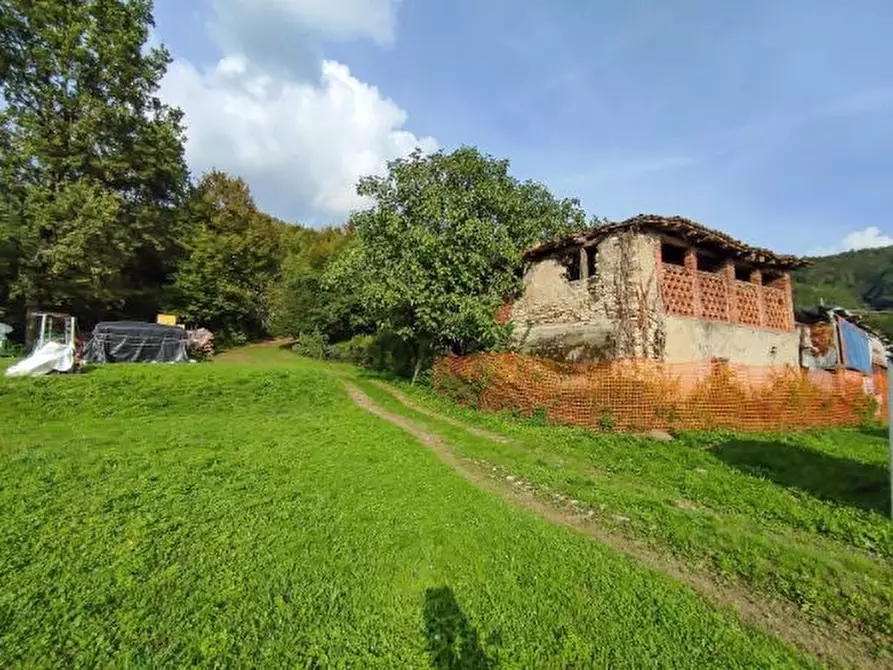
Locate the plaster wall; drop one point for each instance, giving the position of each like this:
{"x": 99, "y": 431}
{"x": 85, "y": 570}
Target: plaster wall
{"x": 613, "y": 314}
{"x": 689, "y": 339}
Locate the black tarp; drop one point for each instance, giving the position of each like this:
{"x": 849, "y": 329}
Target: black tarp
{"x": 136, "y": 342}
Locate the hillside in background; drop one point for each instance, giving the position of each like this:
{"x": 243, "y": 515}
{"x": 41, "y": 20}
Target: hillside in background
{"x": 858, "y": 280}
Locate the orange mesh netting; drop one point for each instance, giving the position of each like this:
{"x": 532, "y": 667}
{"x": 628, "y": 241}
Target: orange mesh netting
{"x": 642, "y": 394}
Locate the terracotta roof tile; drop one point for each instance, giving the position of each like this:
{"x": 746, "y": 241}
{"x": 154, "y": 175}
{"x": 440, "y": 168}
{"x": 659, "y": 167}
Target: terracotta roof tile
{"x": 690, "y": 231}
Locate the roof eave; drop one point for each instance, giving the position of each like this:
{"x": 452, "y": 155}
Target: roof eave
{"x": 690, "y": 231}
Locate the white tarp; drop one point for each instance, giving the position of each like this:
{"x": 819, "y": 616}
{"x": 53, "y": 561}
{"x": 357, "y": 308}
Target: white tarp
{"x": 4, "y": 331}
{"x": 46, "y": 358}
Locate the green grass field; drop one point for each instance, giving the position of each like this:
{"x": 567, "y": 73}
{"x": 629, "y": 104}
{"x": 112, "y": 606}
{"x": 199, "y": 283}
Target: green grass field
{"x": 250, "y": 514}
{"x": 802, "y": 517}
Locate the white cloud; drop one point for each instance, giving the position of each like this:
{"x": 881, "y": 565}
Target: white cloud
{"x": 869, "y": 238}
{"x": 300, "y": 129}
{"x": 300, "y": 145}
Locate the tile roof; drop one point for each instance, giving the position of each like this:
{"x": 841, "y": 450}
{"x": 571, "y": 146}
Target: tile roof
{"x": 690, "y": 231}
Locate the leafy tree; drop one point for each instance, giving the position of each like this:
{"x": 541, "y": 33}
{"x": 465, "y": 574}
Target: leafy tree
{"x": 232, "y": 258}
{"x": 8, "y": 250}
{"x": 91, "y": 161}
{"x": 880, "y": 293}
{"x": 440, "y": 249}
{"x": 302, "y": 301}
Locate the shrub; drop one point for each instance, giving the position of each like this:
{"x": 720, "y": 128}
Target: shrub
{"x": 360, "y": 350}
{"x": 12, "y": 350}
{"x": 311, "y": 345}
{"x": 389, "y": 353}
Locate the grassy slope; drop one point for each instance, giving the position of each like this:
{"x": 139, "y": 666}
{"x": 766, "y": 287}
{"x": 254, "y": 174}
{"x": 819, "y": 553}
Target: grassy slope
{"x": 861, "y": 280}
{"x": 801, "y": 517}
{"x": 226, "y": 514}
{"x": 850, "y": 279}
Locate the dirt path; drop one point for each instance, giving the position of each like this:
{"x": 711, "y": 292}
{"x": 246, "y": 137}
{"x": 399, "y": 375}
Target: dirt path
{"x": 835, "y": 645}
{"x": 404, "y": 400}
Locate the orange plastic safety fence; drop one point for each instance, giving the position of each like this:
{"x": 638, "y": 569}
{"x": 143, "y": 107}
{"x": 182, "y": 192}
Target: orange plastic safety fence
{"x": 641, "y": 395}
{"x": 881, "y": 389}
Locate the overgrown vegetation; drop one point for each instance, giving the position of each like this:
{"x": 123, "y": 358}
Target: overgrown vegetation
{"x": 225, "y": 514}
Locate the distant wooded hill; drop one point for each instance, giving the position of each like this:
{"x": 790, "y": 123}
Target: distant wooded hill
{"x": 858, "y": 280}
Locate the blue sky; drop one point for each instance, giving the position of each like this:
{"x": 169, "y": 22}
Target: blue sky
{"x": 772, "y": 120}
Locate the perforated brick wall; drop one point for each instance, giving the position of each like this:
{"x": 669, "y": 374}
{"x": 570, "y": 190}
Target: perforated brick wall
{"x": 677, "y": 290}
{"x": 721, "y": 297}
{"x": 748, "y": 299}
{"x": 714, "y": 296}
{"x": 777, "y": 312}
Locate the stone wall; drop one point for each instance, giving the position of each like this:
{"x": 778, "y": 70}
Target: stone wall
{"x": 691, "y": 339}
{"x": 616, "y": 313}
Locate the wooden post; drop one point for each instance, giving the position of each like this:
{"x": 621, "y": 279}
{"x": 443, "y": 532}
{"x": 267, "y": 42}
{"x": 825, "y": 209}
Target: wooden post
{"x": 584, "y": 264}
{"x": 756, "y": 277}
{"x": 691, "y": 266}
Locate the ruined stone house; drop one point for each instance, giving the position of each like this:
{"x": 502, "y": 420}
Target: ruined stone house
{"x": 663, "y": 288}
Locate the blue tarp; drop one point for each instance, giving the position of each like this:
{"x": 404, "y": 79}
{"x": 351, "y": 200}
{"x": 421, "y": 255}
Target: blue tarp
{"x": 856, "y": 346}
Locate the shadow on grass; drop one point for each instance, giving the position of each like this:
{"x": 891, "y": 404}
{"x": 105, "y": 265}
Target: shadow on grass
{"x": 452, "y": 641}
{"x": 822, "y": 475}
{"x": 875, "y": 431}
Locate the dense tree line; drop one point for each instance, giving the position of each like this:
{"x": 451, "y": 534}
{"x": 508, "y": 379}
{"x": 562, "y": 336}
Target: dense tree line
{"x": 858, "y": 280}
{"x": 99, "y": 216}
{"x": 91, "y": 171}
{"x": 853, "y": 279}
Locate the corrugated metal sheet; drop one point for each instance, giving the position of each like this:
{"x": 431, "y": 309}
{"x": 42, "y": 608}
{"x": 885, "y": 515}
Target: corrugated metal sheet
{"x": 856, "y": 346}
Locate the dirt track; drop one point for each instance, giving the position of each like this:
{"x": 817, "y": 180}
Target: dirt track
{"x": 836, "y": 645}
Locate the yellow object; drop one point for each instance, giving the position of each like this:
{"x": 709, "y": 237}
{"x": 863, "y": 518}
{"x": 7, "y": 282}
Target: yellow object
{"x": 166, "y": 319}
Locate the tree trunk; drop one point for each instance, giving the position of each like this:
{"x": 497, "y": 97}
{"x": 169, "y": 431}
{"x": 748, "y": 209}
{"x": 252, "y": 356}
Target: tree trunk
{"x": 415, "y": 372}
{"x": 420, "y": 356}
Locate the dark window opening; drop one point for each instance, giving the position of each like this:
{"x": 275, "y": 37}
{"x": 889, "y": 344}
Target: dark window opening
{"x": 591, "y": 261}
{"x": 671, "y": 254}
{"x": 573, "y": 266}
{"x": 772, "y": 278}
{"x": 742, "y": 273}
{"x": 711, "y": 263}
